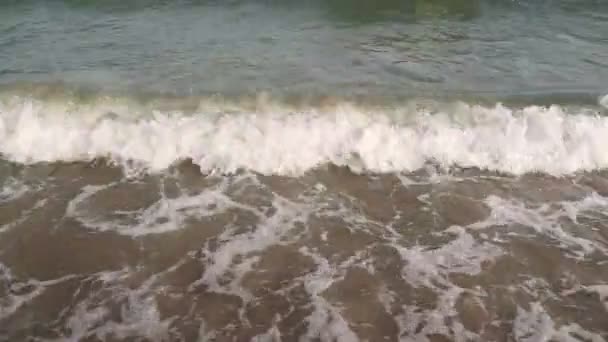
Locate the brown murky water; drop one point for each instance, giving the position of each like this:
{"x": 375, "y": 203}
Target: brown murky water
{"x": 88, "y": 254}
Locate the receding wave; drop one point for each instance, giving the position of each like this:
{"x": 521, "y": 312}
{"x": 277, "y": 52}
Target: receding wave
{"x": 272, "y": 138}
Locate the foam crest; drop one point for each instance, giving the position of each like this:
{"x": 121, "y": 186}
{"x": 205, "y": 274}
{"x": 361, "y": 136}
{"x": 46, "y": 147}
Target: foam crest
{"x": 550, "y": 140}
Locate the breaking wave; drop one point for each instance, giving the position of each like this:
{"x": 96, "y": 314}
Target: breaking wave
{"x": 276, "y": 139}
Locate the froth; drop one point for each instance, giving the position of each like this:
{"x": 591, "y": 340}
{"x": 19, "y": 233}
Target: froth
{"x": 536, "y": 324}
{"x": 546, "y": 139}
{"x": 604, "y": 101}
{"x": 165, "y": 214}
{"x": 12, "y": 189}
{"x": 548, "y": 220}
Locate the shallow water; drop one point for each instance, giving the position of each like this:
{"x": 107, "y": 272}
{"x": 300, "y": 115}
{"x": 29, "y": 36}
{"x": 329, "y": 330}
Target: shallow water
{"x": 387, "y": 48}
{"x": 330, "y": 255}
{"x": 303, "y": 171}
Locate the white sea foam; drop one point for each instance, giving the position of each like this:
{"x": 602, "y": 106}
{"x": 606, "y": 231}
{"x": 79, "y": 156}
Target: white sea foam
{"x": 601, "y": 290}
{"x": 280, "y": 141}
{"x": 325, "y": 322}
{"x": 166, "y": 214}
{"x": 20, "y": 292}
{"x": 139, "y": 312}
{"x": 547, "y": 219}
{"x": 426, "y": 267}
{"x": 604, "y": 101}
{"x": 12, "y": 189}
{"x": 269, "y": 231}
{"x": 24, "y": 215}
{"x": 536, "y": 325}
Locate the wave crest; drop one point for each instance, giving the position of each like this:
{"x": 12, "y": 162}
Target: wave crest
{"x": 285, "y": 141}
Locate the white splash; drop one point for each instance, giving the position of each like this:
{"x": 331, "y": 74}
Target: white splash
{"x": 281, "y": 141}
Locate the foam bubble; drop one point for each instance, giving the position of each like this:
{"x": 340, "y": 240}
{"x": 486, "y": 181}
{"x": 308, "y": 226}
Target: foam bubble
{"x": 325, "y": 322}
{"x": 280, "y": 141}
{"x": 164, "y": 215}
{"x": 269, "y": 231}
{"x": 417, "y": 324}
{"x": 19, "y": 292}
{"x": 545, "y": 219}
{"x": 601, "y": 290}
{"x": 24, "y": 215}
{"x": 272, "y": 335}
{"x": 426, "y": 267}
{"x": 139, "y": 312}
{"x": 14, "y": 188}
{"x": 536, "y": 325}
{"x": 603, "y": 101}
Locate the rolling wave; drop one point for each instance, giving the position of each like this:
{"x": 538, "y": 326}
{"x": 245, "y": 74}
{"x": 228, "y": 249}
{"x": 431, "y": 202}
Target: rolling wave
{"x": 275, "y": 139}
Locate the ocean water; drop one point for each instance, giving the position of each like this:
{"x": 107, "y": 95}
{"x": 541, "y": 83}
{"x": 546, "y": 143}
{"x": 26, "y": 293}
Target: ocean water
{"x": 320, "y": 170}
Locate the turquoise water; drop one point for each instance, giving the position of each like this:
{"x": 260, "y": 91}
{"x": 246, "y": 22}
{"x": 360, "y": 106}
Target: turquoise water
{"x": 460, "y": 49}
